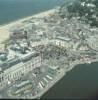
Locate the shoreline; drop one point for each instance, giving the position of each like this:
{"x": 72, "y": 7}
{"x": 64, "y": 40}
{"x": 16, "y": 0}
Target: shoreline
{"x": 18, "y": 19}
{"x": 4, "y": 29}
{"x": 60, "y": 76}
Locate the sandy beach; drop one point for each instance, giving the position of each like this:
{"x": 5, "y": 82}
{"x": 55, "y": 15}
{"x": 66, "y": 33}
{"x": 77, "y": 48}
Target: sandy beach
{"x": 4, "y": 30}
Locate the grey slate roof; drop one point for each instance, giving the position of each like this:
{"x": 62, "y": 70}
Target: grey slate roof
{"x": 9, "y": 63}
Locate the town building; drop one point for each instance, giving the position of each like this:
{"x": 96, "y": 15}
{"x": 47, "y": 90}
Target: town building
{"x": 15, "y": 67}
{"x": 62, "y": 41}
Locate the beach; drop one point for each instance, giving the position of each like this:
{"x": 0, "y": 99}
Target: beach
{"x": 4, "y": 30}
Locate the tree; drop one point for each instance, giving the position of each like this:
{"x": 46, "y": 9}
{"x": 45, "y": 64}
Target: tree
{"x": 87, "y": 10}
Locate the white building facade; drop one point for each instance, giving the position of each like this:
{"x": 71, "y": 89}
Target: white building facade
{"x": 17, "y": 71}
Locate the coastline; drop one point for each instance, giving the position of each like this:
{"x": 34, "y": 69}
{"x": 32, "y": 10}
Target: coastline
{"x": 4, "y": 29}
{"x": 60, "y": 75}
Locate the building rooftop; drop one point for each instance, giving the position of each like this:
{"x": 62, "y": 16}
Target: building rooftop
{"x": 13, "y": 58}
{"x": 63, "y": 38}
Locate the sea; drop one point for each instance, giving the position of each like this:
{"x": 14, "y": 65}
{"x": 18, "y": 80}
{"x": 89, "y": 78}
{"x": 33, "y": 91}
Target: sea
{"x": 81, "y": 81}
{"x": 12, "y": 10}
